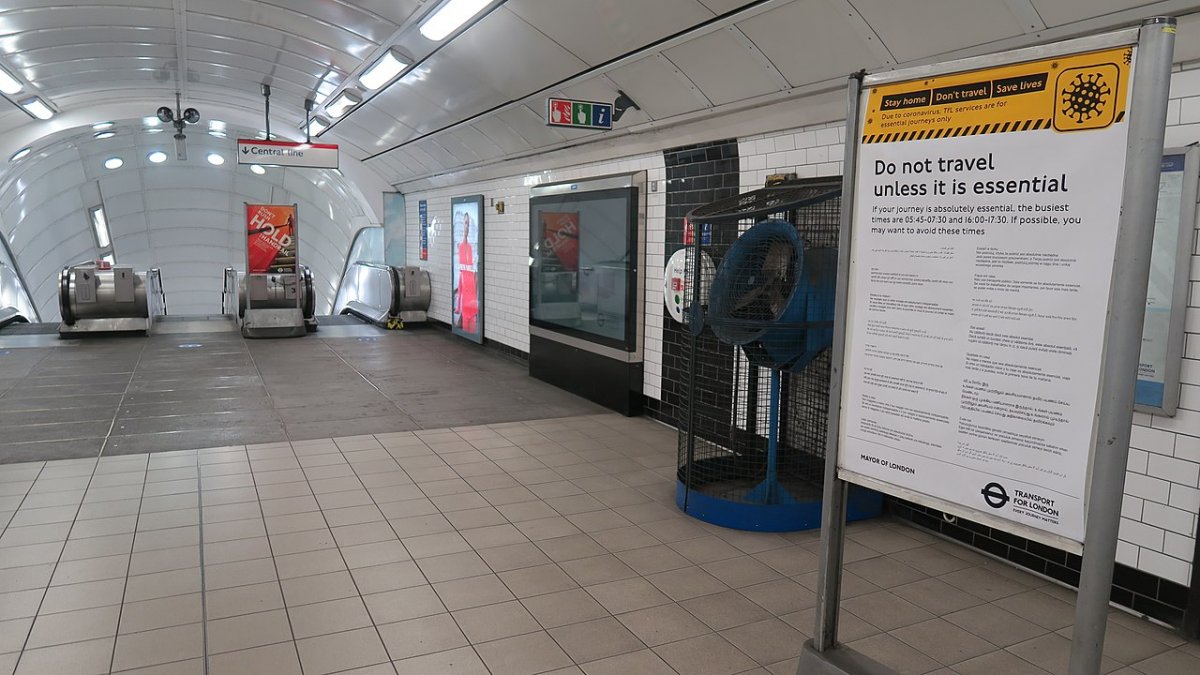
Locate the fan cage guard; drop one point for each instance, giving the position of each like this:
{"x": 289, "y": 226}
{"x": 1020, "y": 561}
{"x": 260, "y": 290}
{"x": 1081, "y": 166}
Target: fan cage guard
{"x": 723, "y": 438}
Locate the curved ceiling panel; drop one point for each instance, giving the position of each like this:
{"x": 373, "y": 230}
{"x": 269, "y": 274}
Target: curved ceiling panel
{"x": 659, "y": 87}
{"x": 723, "y": 67}
{"x": 480, "y": 95}
{"x": 605, "y": 29}
{"x": 1059, "y": 12}
{"x": 831, "y": 46}
{"x": 905, "y": 25}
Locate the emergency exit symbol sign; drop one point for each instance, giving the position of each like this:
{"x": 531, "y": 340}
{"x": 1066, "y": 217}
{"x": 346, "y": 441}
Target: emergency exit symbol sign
{"x": 561, "y": 112}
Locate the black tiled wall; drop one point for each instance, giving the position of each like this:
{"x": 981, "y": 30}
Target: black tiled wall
{"x": 696, "y": 175}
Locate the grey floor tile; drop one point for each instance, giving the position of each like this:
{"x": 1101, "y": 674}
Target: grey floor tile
{"x": 523, "y": 655}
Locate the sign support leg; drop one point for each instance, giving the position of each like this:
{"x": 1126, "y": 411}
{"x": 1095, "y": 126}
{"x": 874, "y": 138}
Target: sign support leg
{"x": 1127, "y": 306}
{"x": 821, "y": 655}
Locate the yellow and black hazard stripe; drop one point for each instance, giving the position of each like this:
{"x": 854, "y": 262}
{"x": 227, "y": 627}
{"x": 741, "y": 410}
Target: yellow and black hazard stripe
{"x": 969, "y": 130}
{"x": 954, "y": 132}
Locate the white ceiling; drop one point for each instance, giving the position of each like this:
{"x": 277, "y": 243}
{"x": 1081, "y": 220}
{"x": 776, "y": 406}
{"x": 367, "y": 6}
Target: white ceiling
{"x": 479, "y": 97}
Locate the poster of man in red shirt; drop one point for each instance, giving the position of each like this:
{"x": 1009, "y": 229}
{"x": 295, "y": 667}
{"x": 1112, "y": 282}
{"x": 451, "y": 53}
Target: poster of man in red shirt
{"x": 467, "y": 267}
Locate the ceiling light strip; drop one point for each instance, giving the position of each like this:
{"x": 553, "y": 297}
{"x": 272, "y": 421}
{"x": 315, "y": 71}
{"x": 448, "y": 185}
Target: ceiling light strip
{"x": 662, "y": 44}
{"x": 396, "y": 38}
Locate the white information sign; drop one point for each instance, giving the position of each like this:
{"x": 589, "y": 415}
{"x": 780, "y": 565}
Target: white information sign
{"x": 1158, "y": 368}
{"x": 985, "y": 221}
{"x": 287, "y": 153}
{"x": 677, "y": 294}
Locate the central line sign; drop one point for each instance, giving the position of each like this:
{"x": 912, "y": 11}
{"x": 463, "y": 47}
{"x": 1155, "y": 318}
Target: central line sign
{"x": 287, "y": 153}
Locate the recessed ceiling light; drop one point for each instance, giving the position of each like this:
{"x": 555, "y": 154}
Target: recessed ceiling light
{"x": 101, "y": 126}
{"x": 450, "y": 16}
{"x": 9, "y": 84}
{"x": 391, "y": 64}
{"x": 104, "y": 134}
{"x": 20, "y": 154}
{"x": 114, "y": 163}
{"x": 215, "y": 159}
{"x": 257, "y": 169}
{"x": 343, "y": 102}
{"x": 157, "y": 157}
{"x": 38, "y": 108}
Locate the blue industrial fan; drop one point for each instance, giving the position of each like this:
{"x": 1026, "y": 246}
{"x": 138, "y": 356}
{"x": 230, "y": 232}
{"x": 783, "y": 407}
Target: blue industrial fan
{"x": 774, "y": 297}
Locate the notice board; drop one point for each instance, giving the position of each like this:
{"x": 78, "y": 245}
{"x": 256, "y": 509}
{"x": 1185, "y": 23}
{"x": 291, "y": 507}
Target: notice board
{"x": 985, "y": 217}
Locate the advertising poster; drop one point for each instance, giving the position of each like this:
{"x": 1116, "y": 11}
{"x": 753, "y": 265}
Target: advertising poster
{"x": 394, "y": 231}
{"x": 1155, "y": 373}
{"x": 423, "y": 222}
{"x": 560, "y": 234}
{"x": 466, "y": 289}
{"x": 985, "y": 224}
{"x": 270, "y": 238}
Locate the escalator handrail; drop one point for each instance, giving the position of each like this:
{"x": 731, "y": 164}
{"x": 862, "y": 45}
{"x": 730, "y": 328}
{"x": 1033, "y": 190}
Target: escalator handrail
{"x": 154, "y": 281}
{"x": 11, "y": 315}
{"x": 310, "y": 300}
{"x": 397, "y": 297}
{"x": 64, "y": 297}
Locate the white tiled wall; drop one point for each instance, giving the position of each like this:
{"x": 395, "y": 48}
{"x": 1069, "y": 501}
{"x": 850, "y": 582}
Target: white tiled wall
{"x": 506, "y": 251}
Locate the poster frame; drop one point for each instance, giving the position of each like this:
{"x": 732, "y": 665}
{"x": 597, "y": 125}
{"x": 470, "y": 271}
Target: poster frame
{"x": 477, "y": 201}
{"x": 1176, "y": 335}
{"x": 296, "y": 235}
{"x": 423, "y": 230}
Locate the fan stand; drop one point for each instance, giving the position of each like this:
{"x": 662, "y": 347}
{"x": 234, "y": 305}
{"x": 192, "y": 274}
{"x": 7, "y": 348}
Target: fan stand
{"x": 770, "y": 491}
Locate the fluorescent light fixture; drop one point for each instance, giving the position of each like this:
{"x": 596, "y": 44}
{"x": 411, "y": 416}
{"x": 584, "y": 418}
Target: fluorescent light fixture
{"x": 450, "y": 16}
{"x": 9, "y": 84}
{"x": 215, "y": 159}
{"x": 151, "y": 121}
{"x": 157, "y": 157}
{"x": 326, "y": 86}
{"x": 344, "y": 101}
{"x": 101, "y": 126}
{"x": 216, "y": 128}
{"x": 316, "y": 125}
{"x": 101, "y": 135}
{"x": 114, "y": 163}
{"x": 100, "y": 226}
{"x": 20, "y": 154}
{"x": 37, "y": 107}
{"x": 382, "y": 71}
{"x": 257, "y": 169}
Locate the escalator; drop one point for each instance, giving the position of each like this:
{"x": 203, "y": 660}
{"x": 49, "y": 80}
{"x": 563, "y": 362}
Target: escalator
{"x": 383, "y": 295}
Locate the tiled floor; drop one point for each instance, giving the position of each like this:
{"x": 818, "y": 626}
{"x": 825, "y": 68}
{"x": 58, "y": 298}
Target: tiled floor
{"x": 62, "y": 399}
{"x": 517, "y": 548}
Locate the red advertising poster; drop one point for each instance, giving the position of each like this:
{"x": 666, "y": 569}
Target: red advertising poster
{"x": 560, "y": 232}
{"x": 270, "y": 238}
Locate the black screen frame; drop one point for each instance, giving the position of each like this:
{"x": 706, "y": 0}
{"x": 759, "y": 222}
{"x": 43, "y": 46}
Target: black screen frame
{"x": 632, "y": 288}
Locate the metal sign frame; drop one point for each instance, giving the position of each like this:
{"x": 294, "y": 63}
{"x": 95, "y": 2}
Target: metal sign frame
{"x": 1154, "y": 44}
{"x": 1182, "y": 249}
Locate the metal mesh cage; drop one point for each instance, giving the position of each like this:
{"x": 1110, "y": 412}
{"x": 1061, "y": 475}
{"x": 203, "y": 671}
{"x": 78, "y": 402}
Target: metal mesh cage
{"x": 764, "y": 316}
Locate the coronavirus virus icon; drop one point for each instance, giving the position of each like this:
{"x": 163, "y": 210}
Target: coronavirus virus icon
{"x": 1085, "y": 97}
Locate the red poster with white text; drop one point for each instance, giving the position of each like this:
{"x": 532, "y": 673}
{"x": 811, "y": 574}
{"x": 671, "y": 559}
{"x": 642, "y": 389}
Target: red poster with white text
{"x": 560, "y": 232}
{"x": 271, "y": 238}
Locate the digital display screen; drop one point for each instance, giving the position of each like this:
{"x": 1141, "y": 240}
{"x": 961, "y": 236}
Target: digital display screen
{"x": 466, "y": 288}
{"x": 582, "y": 246}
